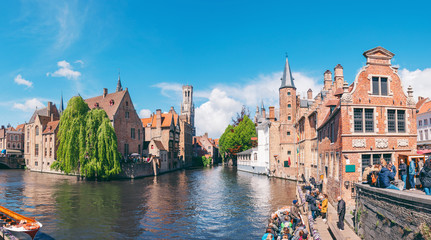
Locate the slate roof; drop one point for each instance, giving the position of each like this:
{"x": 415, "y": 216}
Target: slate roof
{"x": 106, "y": 104}
{"x": 287, "y": 80}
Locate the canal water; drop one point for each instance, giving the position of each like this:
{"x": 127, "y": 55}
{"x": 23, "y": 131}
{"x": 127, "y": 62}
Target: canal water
{"x": 204, "y": 203}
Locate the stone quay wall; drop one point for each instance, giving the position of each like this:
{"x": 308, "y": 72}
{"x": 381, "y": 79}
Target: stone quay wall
{"x": 391, "y": 214}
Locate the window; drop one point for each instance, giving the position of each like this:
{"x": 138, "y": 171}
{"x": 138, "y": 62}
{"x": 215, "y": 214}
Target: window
{"x": 13, "y": 146}
{"x": 398, "y": 123}
{"x": 28, "y": 148}
{"x": 421, "y": 135}
{"x": 132, "y": 133}
{"x": 363, "y": 117}
{"x": 127, "y": 103}
{"x": 36, "y": 163}
{"x": 139, "y": 134}
{"x": 289, "y": 152}
{"x": 289, "y": 105}
{"x": 288, "y": 133}
{"x": 19, "y": 145}
{"x": 369, "y": 120}
{"x": 127, "y": 114}
{"x": 358, "y": 119}
{"x": 366, "y": 160}
{"x": 288, "y": 93}
{"x": 289, "y": 118}
{"x": 36, "y": 150}
{"x": 139, "y": 149}
{"x": 36, "y": 129}
{"x": 46, "y": 152}
{"x": 425, "y": 122}
{"x": 46, "y": 139}
{"x": 17, "y": 137}
{"x": 380, "y": 86}
{"x": 426, "y": 134}
{"x": 11, "y": 137}
{"x": 420, "y": 122}
{"x": 50, "y": 152}
{"x": 401, "y": 121}
{"x": 126, "y": 149}
{"x": 28, "y": 134}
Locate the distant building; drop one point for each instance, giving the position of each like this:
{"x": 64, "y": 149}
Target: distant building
{"x": 162, "y": 133}
{"x": 12, "y": 139}
{"x": 423, "y": 107}
{"x": 188, "y": 107}
{"x": 40, "y": 135}
{"x": 205, "y": 146}
{"x": 126, "y": 122}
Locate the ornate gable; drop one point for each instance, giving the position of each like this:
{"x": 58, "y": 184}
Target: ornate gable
{"x": 379, "y": 56}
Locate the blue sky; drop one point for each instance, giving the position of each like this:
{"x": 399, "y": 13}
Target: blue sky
{"x": 232, "y": 52}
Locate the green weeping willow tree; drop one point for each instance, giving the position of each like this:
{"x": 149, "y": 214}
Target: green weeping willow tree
{"x": 87, "y": 142}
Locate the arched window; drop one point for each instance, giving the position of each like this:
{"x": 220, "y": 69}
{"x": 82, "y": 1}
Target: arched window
{"x": 8, "y": 145}
{"x": 13, "y": 146}
{"x": 19, "y": 146}
{"x": 289, "y": 105}
{"x": 36, "y": 130}
{"x": 289, "y": 118}
{"x": 288, "y": 93}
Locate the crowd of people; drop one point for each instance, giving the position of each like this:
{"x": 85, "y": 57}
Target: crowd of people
{"x": 287, "y": 223}
{"x": 383, "y": 175}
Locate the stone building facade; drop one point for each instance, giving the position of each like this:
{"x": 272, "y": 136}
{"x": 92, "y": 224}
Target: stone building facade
{"x": 40, "y": 135}
{"x": 126, "y": 122}
{"x": 345, "y": 128}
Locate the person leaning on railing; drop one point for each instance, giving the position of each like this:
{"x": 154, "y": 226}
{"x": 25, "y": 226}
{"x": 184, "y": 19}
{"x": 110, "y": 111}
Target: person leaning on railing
{"x": 425, "y": 177}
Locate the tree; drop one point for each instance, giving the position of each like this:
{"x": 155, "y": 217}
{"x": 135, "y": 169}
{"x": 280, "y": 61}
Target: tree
{"x": 237, "y": 138}
{"x": 240, "y": 116}
{"x": 87, "y": 142}
{"x": 206, "y": 161}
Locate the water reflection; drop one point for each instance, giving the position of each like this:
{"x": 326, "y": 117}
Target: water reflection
{"x": 211, "y": 203}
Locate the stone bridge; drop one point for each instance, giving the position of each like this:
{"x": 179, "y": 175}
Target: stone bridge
{"x": 11, "y": 162}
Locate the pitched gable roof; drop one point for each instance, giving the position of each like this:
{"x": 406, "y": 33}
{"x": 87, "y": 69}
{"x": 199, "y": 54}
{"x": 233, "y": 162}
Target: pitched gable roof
{"x": 146, "y": 121}
{"x": 426, "y": 107}
{"x": 420, "y": 102}
{"x": 109, "y": 103}
{"x": 51, "y": 127}
{"x": 44, "y": 112}
{"x": 159, "y": 145}
{"x": 20, "y": 127}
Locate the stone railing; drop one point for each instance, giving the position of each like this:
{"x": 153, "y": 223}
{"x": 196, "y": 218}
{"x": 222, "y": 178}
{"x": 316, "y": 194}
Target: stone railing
{"x": 391, "y": 214}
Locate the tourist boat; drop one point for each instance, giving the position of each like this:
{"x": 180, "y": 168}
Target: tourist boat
{"x": 17, "y": 223}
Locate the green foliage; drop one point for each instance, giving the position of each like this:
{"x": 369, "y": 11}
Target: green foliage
{"x": 206, "y": 161}
{"x": 237, "y": 139}
{"x": 87, "y": 142}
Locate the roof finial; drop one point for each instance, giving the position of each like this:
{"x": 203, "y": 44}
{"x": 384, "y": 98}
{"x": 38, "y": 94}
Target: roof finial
{"x": 119, "y": 87}
{"x": 61, "y": 103}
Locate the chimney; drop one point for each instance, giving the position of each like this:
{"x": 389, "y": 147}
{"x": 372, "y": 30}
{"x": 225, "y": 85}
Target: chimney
{"x": 310, "y": 94}
{"x": 338, "y": 76}
{"x": 327, "y": 77}
{"x": 271, "y": 114}
{"x": 49, "y": 108}
{"x": 263, "y": 113}
{"x": 158, "y": 118}
{"x": 171, "y": 110}
{"x": 52, "y": 117}
{"x": 105, "y": 92}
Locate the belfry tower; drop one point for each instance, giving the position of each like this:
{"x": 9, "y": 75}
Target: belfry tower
{"x": 188, "y": 107}
{"x": 287, "y": 101}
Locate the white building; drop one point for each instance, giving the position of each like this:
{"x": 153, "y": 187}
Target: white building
{"x": 256, "y": 160}
{"x": 424, "y": 125}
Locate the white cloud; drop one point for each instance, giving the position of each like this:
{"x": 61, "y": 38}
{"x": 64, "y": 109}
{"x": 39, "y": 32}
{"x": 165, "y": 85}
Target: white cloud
{"x": 171, "y": 90}
{"x": 65, "y": 70}
{"x": 21, "y": 81}
{"x": 29, "y": 105}
{"x": 144, "y": 113}
{"x": 80, "y": 62}
{"x": 214, "y": 115}
{"x": 420, "y": 80}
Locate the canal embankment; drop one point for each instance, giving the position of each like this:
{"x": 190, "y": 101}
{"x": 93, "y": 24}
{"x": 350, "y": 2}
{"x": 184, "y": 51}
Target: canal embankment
{"x": 392, "y": 214}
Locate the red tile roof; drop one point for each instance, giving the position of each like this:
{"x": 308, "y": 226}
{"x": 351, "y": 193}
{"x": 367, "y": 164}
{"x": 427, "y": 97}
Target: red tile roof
{"x": 109, "y": 103}
{"x": 339, "y": 91}
{"x": 50, "y": 127}
{"x": 421, "y": 102}
{"x": 166, "y": 120}
{"x": 20, "y": 127}
{"x": 332, "y": 102}
{"x": 145, "y": 121}
{"x": 426, "y": 107}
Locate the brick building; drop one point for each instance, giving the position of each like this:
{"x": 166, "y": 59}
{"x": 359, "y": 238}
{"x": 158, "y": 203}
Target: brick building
{"x": 162, "y": 133}
{"x": 423, "y": 107}
{"x": 205, "y": 146}
{"x": 344, "y": 128}
{"x": 12, "y": 139}
{"x": 39, "y": 137}
{"x": 126, "y": 122}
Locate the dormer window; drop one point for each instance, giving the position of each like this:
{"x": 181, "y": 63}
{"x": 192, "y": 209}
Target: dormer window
{"x": 96, "y": 105}
{"x": 379, "y": 86}
{"x": 111, "y": 103}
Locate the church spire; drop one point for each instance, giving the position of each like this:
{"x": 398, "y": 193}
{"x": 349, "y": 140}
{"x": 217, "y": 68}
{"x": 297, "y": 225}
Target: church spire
{"x": 119, "y": 87}
{"x": 287, "y": 80}
{"x": 61, "y": 104}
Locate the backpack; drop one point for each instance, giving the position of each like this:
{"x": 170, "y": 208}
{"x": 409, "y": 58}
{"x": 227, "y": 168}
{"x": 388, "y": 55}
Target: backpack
{"x": 374, "y": 177}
